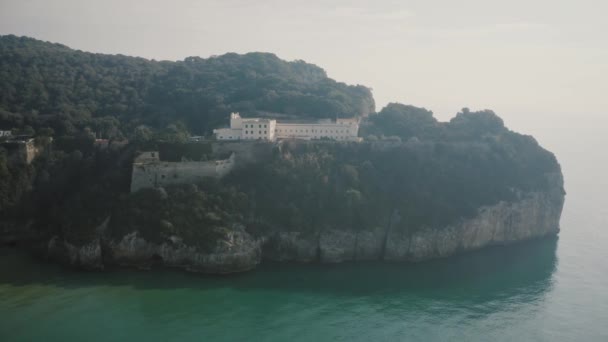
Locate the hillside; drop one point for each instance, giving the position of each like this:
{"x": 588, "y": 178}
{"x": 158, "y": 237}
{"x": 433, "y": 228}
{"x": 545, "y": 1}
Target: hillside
{"x": 414, "y": 188}
{"x": 50, "y": 85}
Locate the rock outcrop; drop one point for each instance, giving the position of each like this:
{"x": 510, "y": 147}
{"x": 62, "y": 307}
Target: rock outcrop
{"x": 534, "y": 215}
{"x": 291, "y": 246}
{"x": 235, "y": 251}
{"x": 87, "y": 256}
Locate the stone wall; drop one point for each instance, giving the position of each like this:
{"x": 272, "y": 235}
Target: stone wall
{"x": 246, "y": 152}
{"x": 22, "y": 151}
{"x": 149, "y": 172}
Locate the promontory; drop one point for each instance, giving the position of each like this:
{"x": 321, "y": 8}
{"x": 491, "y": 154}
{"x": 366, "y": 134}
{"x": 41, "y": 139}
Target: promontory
{"x": 216, "y": 165}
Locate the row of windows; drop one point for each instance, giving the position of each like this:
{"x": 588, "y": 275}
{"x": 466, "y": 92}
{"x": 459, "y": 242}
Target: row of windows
{"x": 313, "y": 131}
{"x": 252, "y": 132}
{"x": 260, "y": 126}
{"x": 316, "y": 137}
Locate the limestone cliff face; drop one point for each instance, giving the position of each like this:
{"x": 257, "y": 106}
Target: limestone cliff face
{"x": 236, "y": 251}
{"x": 534, "y": 215}
{"x": 87, "y": 256}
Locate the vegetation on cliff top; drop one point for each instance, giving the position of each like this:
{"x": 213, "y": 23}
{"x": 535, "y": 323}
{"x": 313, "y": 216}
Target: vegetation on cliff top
{"x": 431, "y": 173}
{"x": 51, "y": 85}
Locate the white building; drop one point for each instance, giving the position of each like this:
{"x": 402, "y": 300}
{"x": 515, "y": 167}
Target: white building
{"x": 341, "y": 129}
{"x": 269, "y": 129}
{"x": 4, "y": 134}
{"x": 247, "y": 129}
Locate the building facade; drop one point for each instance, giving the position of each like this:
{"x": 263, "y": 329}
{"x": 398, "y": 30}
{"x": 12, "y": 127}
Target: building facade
{"x": 341, "y": 130}
{"x": 247, "y": 129}
{"x": 270, "y": 129}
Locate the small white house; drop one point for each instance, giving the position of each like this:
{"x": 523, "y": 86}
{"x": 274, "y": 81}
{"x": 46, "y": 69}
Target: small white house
{"x": 4, "y": 134}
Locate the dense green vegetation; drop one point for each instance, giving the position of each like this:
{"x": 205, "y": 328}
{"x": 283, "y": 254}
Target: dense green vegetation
{"x": 430, "y": 183}
{"x": 440, "y": 173}
{"x": 310, "y": 187}
{"x": 50, "y": 85}
{"x": 431, "y": 173}
{"x": 196, "y": 216}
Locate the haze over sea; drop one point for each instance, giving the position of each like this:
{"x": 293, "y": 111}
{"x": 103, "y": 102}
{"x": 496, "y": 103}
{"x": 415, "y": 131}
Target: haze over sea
{"x": 548, "y": 290}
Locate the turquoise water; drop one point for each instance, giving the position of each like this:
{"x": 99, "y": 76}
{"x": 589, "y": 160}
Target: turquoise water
{"x": 547, "y": 290}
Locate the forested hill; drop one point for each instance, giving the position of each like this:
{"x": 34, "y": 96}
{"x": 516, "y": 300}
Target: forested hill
{"x": 50, "y": 85}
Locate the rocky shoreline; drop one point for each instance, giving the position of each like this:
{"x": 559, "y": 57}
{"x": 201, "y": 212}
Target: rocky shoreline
{"x": 534, "y": 215}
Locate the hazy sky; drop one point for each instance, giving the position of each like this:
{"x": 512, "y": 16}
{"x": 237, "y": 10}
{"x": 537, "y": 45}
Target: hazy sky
{"x": 518, "y": 57}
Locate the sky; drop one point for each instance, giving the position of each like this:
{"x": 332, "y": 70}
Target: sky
{"x": 520, "y": 58}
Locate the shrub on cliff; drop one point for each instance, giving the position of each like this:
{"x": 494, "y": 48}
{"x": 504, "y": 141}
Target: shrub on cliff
{"x": 402, "y": 121}
{"x": 197, "y": 215}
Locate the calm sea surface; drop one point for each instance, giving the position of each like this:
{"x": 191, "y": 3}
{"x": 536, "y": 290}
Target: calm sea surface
{"x": 549, "y": 290}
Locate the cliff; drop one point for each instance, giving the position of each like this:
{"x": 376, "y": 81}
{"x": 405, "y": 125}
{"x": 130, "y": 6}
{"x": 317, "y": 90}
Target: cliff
{"x": 414, "y": 188}
{"x": 234, "y": 251}
{"x": 332, "y": 202}
{"x": 533, "y": 215}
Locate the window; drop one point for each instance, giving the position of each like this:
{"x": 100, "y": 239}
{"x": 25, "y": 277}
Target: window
{"x": 264, "y": 126}
{"x": 246, "y": 132}
{"x": 260, "y": 126}
{"x": 264, "y": 132}
{"x": 260, "y": 132}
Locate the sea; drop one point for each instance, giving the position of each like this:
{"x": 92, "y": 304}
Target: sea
{"x": 554, "y": 289}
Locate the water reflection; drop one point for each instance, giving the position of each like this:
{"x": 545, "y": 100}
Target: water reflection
{"x": 481, "y": 293}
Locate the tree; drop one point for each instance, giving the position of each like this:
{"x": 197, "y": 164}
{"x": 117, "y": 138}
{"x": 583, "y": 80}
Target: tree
{"x": 403, "y": 121}
{"x": 142, "y": 133}
{"x": 5, "y": 180}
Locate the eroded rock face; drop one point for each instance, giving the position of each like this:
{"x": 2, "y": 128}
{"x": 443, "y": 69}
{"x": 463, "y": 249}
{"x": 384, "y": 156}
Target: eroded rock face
{"x": 87, "y": 256}
{"x": 236, "y": 251}
{"x": 535, "y": 215}
{"x": 369, "y": 244}
{"x": 337, "y": 246}
{"x": 291, "y": 246}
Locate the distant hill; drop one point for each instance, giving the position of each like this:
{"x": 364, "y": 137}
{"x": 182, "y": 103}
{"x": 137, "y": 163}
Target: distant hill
{"x": 50, "y": 85}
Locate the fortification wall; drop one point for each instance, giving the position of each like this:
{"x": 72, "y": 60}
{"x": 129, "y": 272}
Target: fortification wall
{"x": 154, "y": 173}
{"x": 246, "y": 151}
{"x": 149, "y": 171}
{"x": 22, "y": 151}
